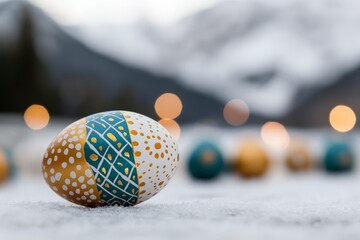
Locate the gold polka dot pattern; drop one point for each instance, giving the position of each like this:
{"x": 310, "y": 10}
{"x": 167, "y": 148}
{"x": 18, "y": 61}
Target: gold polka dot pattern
{"x": 155, "y": 154}
{"x": 66, "y": 170}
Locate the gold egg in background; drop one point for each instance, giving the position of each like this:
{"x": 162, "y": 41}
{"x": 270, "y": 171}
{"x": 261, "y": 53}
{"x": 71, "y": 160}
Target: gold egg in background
{"x": 298, "y": 158}
{"x": 251, "y": 160}
{"x": 4, "y": 167}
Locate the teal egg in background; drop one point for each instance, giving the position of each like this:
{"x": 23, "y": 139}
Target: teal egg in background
{"x": 339, "y": 157}
{"x": 12, "y": 165}
{"x": 206, "y": 161}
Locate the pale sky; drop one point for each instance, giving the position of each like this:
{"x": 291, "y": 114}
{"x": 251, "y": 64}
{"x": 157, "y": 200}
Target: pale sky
{"x": 163, "y": 12}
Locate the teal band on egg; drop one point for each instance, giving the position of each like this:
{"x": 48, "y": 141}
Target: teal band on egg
{"x": 109, "y": 152}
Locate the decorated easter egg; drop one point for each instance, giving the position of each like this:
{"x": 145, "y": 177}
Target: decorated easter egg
{"x": 5, "y": 170}
{"x": 206, "y": 161}
{"x": 111, "y": 158}
{"x": 251, "y": 160}
{"x": 298, "y": 158}
{"x": 338, "y": 157}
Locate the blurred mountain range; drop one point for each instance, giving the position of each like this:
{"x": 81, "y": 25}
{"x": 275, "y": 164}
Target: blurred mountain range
{"x": 41, "y": 63}
{"x": 275, "y": 55}
{"x": 291, "y": 61}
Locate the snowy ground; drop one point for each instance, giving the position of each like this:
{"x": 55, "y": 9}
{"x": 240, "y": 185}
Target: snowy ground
{"x": 312, "y": 206}
{"x": 279, "y": 206}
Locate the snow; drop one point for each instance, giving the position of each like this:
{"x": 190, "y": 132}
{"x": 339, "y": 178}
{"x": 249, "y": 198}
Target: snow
{"x": 220, "y": 50}
{"x": 112, "y": 11}
{"x": 298, "y": 207}
{"x": 263, "y": 52}
{"x": 281, "y": 205}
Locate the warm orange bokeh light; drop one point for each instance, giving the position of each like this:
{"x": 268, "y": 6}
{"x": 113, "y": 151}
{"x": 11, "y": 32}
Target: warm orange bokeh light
{"x": 168, "y": 106}
{"x": 275, "y": 135}
{"x": 236, "y": 112}
{"x": 172, "y": 127}
{"x": 342, "y": 118}
{"x": 36, "y": 117}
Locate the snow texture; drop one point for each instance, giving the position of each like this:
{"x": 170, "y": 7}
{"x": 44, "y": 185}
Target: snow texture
{"x": 280, "y": 206}
{"x": 298, "y": 207}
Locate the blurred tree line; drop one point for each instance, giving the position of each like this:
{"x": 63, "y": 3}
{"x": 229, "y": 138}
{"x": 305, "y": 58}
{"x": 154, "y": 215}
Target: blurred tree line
{"x": 24, "y": 79}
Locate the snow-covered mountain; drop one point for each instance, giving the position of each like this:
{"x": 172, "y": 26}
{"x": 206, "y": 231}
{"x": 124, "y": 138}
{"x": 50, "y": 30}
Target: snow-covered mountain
{"x": 46, "y": 65}
{"x": 264, "y": 52}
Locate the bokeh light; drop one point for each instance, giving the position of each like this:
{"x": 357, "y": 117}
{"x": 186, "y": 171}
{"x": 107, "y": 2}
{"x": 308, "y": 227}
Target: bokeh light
{"x": 36, "y": 117}
{"x": 172, "y": 126}
{"x": 168, "y": 106}
{"x": 342, "y": 118}
{"x": 236, "y": 112}
{"x": 275, "y": 135}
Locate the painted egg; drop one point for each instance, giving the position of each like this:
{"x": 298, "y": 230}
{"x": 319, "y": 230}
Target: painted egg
{"x": 206, "y": 161}
{"x": 5, "y": 168}
{"x": 298, "y": 158}
{"x": 339, "y": 158}
{"x": 251, "y": 160}
{"x": 111, "y": 158}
